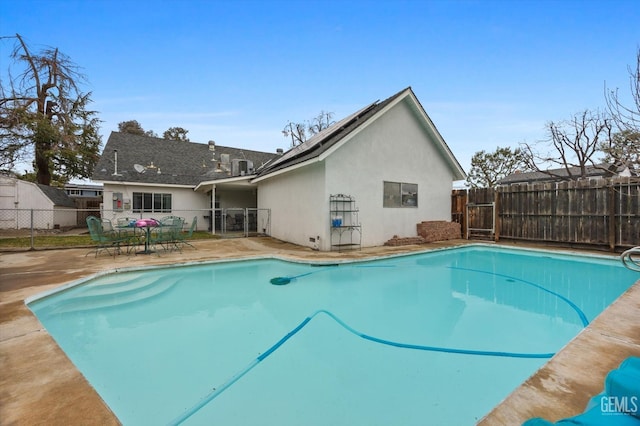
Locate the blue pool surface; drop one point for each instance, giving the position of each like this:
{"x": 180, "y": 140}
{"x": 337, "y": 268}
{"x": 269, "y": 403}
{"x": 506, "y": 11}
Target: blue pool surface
{"x": 433, "y": 338}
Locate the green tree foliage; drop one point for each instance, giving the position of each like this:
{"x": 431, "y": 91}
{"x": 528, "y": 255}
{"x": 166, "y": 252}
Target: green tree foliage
{"x": 44, "y": 116}
{"x": 176, "y": 134}
{"x": 623, "y": 148}
{"x": 487, "y": 168}
{"x": 134, "y": 128}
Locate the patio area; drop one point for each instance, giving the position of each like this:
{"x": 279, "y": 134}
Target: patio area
{"x": 39, "y": 385}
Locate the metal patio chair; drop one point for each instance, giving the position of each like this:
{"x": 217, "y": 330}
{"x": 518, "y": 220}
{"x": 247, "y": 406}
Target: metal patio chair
{"x": 166, "y": 235}
{"x": 104, "y": 236}
{"x": 184, "y": 236}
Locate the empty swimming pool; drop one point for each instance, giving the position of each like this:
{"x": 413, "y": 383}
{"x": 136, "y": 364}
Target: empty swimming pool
{"x": 436, "y": 338}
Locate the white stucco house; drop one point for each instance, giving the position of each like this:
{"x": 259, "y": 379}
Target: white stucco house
{"x": 22, "y": 202}
{"x": 388, "y": 160}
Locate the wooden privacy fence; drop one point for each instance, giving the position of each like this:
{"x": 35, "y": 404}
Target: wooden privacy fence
{"x": 601, "y": 212}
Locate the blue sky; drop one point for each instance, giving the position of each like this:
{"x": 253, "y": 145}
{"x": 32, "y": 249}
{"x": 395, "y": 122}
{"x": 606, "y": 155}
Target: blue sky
{"x": 488, "y": 73}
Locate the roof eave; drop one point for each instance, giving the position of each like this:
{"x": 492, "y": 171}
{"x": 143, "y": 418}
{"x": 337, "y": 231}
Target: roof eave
{"x": 458, "y": 171}
{"x": 120, "y": 182}
{"x": 286, "y": 169}
{"x": 235, "y": 179}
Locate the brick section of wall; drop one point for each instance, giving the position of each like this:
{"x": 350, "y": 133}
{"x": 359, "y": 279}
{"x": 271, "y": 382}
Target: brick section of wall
{"x": 439, "y": 230}
{"x": 397, "y": 241}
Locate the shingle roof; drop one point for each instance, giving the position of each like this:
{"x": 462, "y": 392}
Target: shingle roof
{"x": 57, "y": 196}
{"x": 186, "y": 163}
{"x": 178, "y": 162}
{"x": 559, "y": 174}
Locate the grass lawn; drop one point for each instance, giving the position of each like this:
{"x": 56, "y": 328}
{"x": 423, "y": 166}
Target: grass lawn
{"x": 60, "y": 241}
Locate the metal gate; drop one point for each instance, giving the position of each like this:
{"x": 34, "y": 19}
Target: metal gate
{"x": 242, "y": 222}
{"x": 481, "y": 219}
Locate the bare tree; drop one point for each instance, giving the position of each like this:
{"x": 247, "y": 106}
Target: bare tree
{"x": 626, "y": 116}
{"x": 296, "y": 131}
{"x": 488, "y": 168}
{"x": 43, "y": 112}
{"x": 320, "y": 122}
{"x": 572, "y": 146}
{"x": 299, "y": 132}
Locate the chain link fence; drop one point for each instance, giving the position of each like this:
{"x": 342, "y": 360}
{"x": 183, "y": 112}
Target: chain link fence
{"x": 30, "y": 224}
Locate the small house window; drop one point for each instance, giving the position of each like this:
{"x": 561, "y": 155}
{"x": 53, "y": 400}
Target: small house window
{"x": 398, "y": 194}
{"x": 148, "y": 202}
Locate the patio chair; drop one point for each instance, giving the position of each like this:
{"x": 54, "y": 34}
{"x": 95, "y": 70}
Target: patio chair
{"x": 124, "y": 222}
{"x": 168, "y": 220}
{"x": 103, "y": 235}
{"x": 166, "y": 235}
{"x": 106, "y": 224}
{"x": 184, "y": 236}
{"x": 125, "y": 226}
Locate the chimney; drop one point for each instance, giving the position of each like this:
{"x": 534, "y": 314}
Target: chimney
{"x": 279, "y": 151}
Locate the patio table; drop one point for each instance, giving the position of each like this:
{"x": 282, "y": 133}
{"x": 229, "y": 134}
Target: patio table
{"x": 129, "y": 233}
{"x": 147, "y": 224}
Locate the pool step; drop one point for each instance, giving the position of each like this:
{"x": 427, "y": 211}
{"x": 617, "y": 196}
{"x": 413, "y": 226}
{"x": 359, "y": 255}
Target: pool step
{"x": 105, "y": 296}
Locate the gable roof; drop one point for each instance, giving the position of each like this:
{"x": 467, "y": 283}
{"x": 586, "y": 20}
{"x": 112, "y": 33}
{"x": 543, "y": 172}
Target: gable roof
{"x": 591, "y": 171}
{"x": 322, "y": 143}
{"x": 57, "y": 196}
{"x": 166, "y": 162}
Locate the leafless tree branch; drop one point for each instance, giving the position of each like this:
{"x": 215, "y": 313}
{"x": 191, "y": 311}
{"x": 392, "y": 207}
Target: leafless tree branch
{"x": 626, "y": 116}
{"x": 572, "y": 146}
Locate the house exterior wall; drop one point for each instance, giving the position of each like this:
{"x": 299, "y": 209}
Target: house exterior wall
{"x": 236, "y": 198}
{"x": 184, "y": 202}
{"x": 396, "y": 148}
{"x": 24, "y": 196}
{"x": 8, "y": 193}
{"x": 63, "y": 217}
{"x": 393, "y": 148}
{"x": 91, "y": 191}
{"x": 299, "y": 208}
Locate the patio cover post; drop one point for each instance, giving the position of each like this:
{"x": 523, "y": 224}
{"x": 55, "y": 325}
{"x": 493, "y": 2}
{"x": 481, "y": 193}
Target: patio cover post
{"x": 213, "y": 210}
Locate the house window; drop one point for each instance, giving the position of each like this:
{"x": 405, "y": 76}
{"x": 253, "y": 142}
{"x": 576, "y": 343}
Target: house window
{"x": 397, "y": 194}
{"x": 151, "y": 202}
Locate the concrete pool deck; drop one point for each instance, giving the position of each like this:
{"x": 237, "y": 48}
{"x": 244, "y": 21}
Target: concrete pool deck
{"x": 39, "y": 385}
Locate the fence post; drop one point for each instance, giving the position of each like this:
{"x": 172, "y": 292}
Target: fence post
{"x": 612, "y": 217}
{"x": 466, "y": 218}
{"x": 463, "y": 216}
{"x": 32, "y": 247}
{"x": 496, "y": 215}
